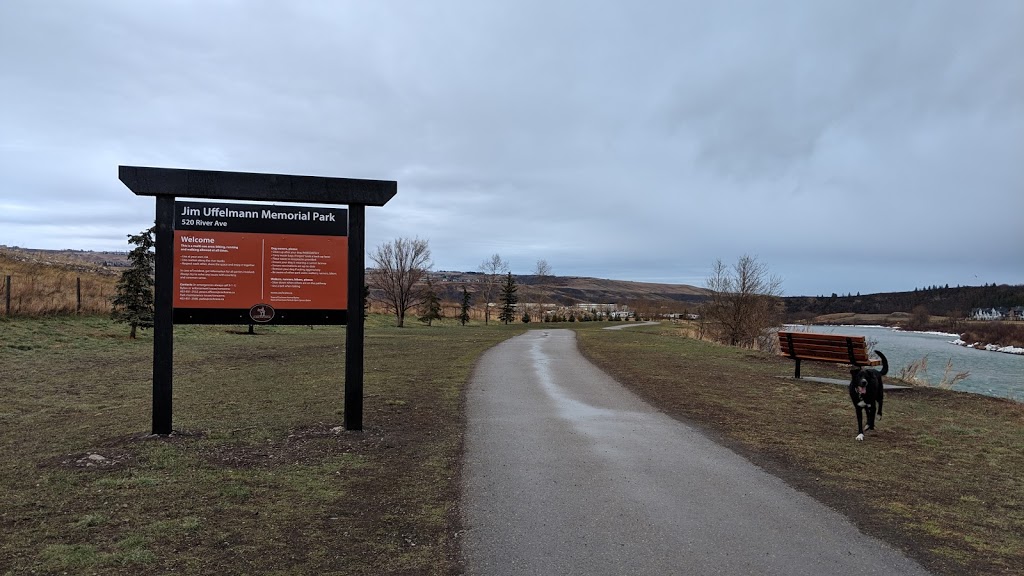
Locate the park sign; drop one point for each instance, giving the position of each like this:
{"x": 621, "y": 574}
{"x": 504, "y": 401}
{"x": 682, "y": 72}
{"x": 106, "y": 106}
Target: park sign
{"x": 230, "y": 263}
{"x": 258, "y": 263}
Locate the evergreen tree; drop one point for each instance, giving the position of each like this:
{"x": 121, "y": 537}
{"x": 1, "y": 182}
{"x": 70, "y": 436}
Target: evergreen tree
{"x": 431, "y": 308}
{"x": 133, "y": 303}
{"x": 467, "y": 299}
{"x": 508, "y": 300}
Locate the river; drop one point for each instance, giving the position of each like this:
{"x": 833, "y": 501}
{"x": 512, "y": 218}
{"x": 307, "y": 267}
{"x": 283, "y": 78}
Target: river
{"x": 991, "y": 373}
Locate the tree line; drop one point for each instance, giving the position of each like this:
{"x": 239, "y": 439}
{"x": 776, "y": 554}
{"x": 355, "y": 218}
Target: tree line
{"x": 940, "y": 301}
{"x": 401, "y": 279}
{"x": 745, "y": 301}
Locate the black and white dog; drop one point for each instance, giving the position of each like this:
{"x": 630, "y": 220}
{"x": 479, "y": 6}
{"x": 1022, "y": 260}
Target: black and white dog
{"x": 867, "y": 393}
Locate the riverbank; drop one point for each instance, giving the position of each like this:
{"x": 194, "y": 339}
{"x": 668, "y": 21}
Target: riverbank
{"x": 989, "y": 347}
{"x": 1001, "y": 336}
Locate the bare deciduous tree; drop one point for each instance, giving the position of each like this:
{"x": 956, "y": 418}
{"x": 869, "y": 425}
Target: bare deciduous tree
{"x": 920, "y": 319}
{"x": 744, "y": 300}
{"x": 400, "y": 266}
{"x": 491, "y": 271}
{"x": 541, "y": 274}
{"x": 542, "y": 270}
{"x": 955, "y": 319}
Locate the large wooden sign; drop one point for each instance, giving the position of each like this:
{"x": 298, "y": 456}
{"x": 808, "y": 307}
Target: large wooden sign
{"x": 221, "y": 263}
{"x": 243, "y": 263}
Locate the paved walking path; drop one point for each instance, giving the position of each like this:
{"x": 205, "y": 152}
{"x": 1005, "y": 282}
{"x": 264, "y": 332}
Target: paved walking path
{"x": 568, "y": 473}
{"x": 846, "y": 382}
{"x": 632, "y": 325}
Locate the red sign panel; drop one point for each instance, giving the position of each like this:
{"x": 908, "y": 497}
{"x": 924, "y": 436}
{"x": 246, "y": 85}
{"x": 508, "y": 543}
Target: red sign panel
{"x": 225, "y": 265}
{"x": 239, "y": 270}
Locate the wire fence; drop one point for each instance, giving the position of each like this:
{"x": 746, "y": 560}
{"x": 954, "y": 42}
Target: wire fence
{"x": 54, "y": 294}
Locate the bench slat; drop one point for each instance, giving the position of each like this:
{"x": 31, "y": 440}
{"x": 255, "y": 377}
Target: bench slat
{"x": 820, "y": 337}
{"x": 841, "y": 352}
{"x": 829, "y": 344}
{"x": 835, "y": 360}
{"x": 861, "y": 345}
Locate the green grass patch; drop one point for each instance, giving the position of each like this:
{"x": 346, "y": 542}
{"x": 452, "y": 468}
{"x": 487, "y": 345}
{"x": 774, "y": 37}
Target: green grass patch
{"x": 92, "y": 519}
{"x": 69, "y": 557}
{"x": 940, "y": 478}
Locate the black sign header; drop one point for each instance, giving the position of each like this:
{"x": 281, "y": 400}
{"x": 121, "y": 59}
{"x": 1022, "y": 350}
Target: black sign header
{"x": 262, "y": 218}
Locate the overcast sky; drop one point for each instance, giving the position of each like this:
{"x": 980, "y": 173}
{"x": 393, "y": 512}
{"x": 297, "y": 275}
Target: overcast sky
{"x": 857, "y": 146}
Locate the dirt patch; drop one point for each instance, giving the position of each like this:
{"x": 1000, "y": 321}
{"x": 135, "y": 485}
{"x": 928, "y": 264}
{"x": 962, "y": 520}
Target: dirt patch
{"x": 116, "y": 452}
{"x": 309, "y": 445}
{"x": 93, "y": 460}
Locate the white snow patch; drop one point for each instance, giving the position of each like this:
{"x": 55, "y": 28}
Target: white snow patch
{"x": 990, "y": 347}
{"x": 928, "y": 332}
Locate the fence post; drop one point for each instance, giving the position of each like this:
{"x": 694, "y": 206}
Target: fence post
{"x": 78, "y": 295}
{"x": 7, "y": 296}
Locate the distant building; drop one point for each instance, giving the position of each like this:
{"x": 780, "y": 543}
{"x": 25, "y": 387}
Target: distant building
{"x": 600, "y": 308}
{"x": 990, "y": 313}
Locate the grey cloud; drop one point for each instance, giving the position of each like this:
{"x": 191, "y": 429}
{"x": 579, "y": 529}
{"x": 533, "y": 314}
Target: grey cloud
{"x": 610, "y": 138}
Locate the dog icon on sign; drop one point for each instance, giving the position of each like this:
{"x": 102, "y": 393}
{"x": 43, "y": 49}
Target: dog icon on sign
{"x": 261, "y": 313}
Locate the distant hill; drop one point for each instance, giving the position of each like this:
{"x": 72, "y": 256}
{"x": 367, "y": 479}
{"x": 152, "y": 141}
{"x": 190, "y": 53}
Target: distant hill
{"x": 566, "y": 290}
{"x": 571, "y": 290}
{"x": 938, "y": 301}
{"x": 81, "y": 260}
{"x": 50, "y": 281}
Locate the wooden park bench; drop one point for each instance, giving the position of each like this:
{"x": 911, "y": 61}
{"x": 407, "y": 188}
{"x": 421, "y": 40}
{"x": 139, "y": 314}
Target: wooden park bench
{"x": 825, "y": 348}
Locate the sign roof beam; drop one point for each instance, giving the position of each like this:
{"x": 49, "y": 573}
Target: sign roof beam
{"x": 212, "y": 184}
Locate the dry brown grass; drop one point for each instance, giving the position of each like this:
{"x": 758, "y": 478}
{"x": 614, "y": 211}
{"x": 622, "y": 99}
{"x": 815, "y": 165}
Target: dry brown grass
{"x": 1004, "y": 333}
{"x": 45, "y": 289}
{"x": 894, "y": 319}
{"x": 261, "y": 480}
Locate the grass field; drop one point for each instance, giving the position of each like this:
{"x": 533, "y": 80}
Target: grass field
{"x": 261, "y": 480}
{"x": 941, "y": 478}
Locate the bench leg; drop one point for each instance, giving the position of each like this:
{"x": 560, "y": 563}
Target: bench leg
{"x": 797, "y": 368}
